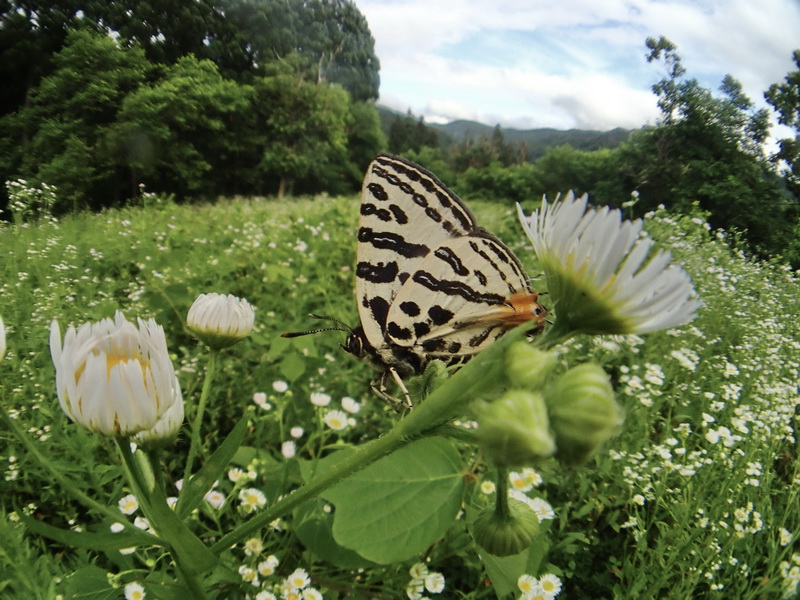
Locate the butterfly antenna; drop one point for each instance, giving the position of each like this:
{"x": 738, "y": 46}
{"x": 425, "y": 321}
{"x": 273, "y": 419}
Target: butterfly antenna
{"x": 344, "y": 327}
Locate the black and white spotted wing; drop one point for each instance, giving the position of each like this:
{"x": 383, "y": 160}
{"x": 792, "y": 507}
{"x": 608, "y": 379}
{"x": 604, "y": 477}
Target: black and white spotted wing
{"x": 429, "y": 282}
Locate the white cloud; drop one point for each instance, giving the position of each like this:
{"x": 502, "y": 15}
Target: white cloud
{"x": 576, "y": 63}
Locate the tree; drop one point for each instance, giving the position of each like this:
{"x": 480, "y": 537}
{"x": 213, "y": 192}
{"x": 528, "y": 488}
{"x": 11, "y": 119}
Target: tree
{"x": 185, "y": 132}
{"x": 57, "y": 137}
{"x": 303, "y": 130}
{"x": 785, "y": 99}
{"x": 708, "y": 150}
{"x": 331, "y": 38}
{"x": 411, "y": 133}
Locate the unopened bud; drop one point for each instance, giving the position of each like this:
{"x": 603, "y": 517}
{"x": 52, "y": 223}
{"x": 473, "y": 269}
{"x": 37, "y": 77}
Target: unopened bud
{"x": 514, "y": 429}
{"x": 504, "y": 535}
{"x": 220, "y": 321}
{"x": 528, "y": 367}
{"x": 583, "y": 412}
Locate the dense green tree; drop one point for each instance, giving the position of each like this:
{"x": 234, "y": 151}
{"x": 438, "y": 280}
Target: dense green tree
{"x": 708, "y": 150}
{"x": 365, "y": 139}
{"x": 304, "y": 131}
{"x": 58, "y": 136}
{"x": 785, "y": 99}
{"x": 187, "y": 132}
{"x": 331, "y": 39}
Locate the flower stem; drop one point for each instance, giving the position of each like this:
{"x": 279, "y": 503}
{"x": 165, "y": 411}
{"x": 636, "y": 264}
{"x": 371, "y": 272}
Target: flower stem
{"x": 449, "y": 400}
{"x": 501, "y": 495}
{"x": 194, "y": 447}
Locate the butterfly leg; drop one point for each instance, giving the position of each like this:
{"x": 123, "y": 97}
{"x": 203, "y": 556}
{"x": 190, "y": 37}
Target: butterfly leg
{"x": 381, "y": 392}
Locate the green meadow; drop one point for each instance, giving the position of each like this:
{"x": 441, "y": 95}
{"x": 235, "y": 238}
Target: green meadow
{"x": 696, "y": 497}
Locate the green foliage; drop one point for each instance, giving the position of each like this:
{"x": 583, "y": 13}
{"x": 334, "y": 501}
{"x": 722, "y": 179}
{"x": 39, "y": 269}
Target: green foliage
{"x": 68, "y": 117}
{"x": 187, "y": 132}
{"x": 785, "y": 99}
{"x": 304, "y": 130}
{"x": 692, "y": 495}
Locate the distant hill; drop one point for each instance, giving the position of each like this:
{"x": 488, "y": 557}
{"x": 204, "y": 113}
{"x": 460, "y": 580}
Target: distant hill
{"x": 537, "y": 140}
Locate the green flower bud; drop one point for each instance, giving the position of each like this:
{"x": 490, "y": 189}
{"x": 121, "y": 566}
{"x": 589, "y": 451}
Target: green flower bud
{"x": 504, "y": 535}
{"x": 514, "y": 430}
{"x": 435, "y": 374}
{"x": 528, "y": 367}
{"x": 583, "y": 412}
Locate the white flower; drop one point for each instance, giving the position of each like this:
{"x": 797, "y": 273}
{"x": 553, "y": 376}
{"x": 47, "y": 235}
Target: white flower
{"x": 260, "y": 399}
{"x": 550, "y": 584}
{"x": 264, "y": 595}
{"x": 296, "y": 432}
{"x": 487, "y": 487}
{"x": 288, "y": 449}
{"x": 311, "y": 594}
{"x": 215, "y": 498}
{"x": 166, "y": 428}
{"x": 335, "y": 419}
{"x": 252, "y": 499}
{"x": 267, "y": 567}
{"x": 298, "y": 579}
{"x": 253, "y": 546}
{"x": 113, "y": 378}
{"x": 434, "y": 582}
{"x": 128, "y": 504}
{"x": 220, "y": 321}
{"x": 599, "y": 274}
{"x": 320, "y": 399}
{"x": 350, "y": 405}
{"x": 418, "y": 571}
{"x": 280, "y": 386}
{"x": 527, "y": 584}
{"x": 134, "y": 591}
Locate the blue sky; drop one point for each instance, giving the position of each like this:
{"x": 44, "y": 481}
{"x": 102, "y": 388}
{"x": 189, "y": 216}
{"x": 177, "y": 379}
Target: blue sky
{"x": 568, "y": 63}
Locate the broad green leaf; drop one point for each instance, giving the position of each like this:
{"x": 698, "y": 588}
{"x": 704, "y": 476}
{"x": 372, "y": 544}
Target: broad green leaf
{"x": 202, "y": 481}
{"x": 90, "y": 583}
{"x": 401, "y": 504}
{"x": 95, "y": 541}
{"x": 292, "y": 366}
{"x": 314, "y": 527}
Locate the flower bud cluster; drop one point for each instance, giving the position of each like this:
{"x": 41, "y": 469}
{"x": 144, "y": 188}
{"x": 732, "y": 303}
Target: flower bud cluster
{"x": 569, "y": 416}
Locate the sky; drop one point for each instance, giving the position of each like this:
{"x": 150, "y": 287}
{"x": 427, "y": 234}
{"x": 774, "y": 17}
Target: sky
{"x": 569, "y": 63}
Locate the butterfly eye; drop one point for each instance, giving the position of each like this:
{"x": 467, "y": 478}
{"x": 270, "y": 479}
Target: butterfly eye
{"x": 354, "y": 345}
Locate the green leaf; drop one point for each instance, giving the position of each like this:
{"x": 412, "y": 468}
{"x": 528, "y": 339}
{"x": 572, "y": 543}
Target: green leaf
{"x": 202, "y": 481}
{"x": 95, "y": 541}
{"x": 90, "y": 583}
{"x": 401, "y": 504}
{"x": 314, "y": 527}
{"x": 292, "y": 366}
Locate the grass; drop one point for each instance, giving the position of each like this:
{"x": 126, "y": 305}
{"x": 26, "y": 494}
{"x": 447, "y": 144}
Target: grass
{"x": 697, "y": 497}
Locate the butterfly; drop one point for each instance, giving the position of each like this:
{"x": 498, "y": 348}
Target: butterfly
{"x": 430, "y": 283}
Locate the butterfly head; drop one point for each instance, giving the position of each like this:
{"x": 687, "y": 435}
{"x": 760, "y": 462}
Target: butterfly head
{"x": 354, "y": 343}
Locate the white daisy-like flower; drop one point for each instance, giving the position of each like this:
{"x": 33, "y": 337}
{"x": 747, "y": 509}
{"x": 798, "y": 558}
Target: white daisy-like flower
{"x": 600, "y": 272}
{"x": 288, "y": 449}
{"x": 252, "y": 499}
{"x": 253, "y": 546}
{"x": 350, "y": 405}
{"x": 280, "y": 386}
{"x": 260, "y": 400}
{"x": 418, "y": 571}
{"x": 215, "y": 498}
{"x": 320, "y": 399}
{"x": 128, "y": 504}
{"x": 113, "y": 377}
{"x": 166, "y": 429}
{"x": 336, "y": 419}
{"x": 434, "y": 582}
{"x": 265, "y": 595}
{"x": 298, "y": 579}
{"x": 527, "y": 584}
{"x": 134, "y": 591}
{"x": 219, "y": 320}
{"x": 550, "y": 584}
{"x": 296, "y": 432}
{"x": 267, "y": 567}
